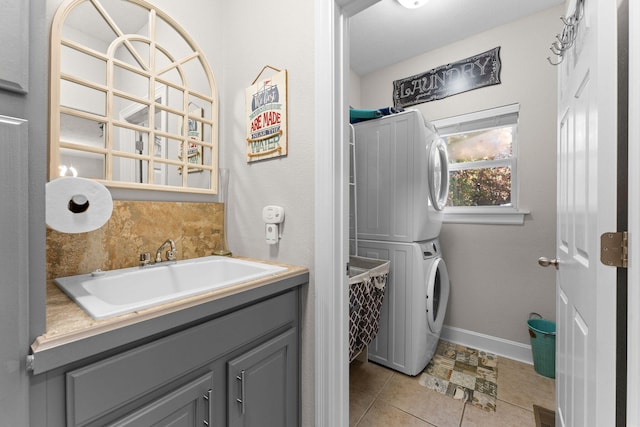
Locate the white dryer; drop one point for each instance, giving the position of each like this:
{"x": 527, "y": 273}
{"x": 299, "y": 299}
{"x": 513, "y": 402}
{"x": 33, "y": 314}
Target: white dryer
{"x": 402, "y": 178}
{"x": 414, "y": 304}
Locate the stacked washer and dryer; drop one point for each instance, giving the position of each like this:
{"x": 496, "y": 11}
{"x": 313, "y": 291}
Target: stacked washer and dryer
{"x": 401, "y": 182}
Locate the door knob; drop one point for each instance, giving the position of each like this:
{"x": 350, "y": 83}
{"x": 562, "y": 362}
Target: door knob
{"x": 546, "y": 262}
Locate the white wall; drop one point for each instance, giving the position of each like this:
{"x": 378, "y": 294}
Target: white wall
{"x": 278, "y": 33}
{"x": 494, "y": 275}
{"x": 354, "y": 90}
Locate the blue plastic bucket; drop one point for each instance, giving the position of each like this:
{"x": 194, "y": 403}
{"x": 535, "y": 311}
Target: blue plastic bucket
{"x": 543, "y": 346}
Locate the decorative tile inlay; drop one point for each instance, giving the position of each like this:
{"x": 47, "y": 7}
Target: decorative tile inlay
{"x": 463, "y": 373}
{"x": 434, "y": 383}
{"x": 136, "y": 227}
{"x": 464, "y": 379}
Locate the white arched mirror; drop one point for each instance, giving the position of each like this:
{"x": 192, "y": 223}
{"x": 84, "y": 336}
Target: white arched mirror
{"x": 133, "y": 99}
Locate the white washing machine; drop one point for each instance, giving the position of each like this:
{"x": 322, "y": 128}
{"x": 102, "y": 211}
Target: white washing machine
{"x": 414, "y": 304}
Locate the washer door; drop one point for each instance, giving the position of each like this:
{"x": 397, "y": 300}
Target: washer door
{"x": 437, "y": 294}
{"x": 438, "y": 173}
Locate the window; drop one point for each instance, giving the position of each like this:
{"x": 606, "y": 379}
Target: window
{"x": 482, "y": 150}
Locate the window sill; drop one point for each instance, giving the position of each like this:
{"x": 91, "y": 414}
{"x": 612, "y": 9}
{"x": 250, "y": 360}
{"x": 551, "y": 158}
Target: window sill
{"x": 492, "y": 216}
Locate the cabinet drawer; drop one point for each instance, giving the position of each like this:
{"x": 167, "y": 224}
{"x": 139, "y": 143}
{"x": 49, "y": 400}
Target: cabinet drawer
{"x": 99, "y": 388}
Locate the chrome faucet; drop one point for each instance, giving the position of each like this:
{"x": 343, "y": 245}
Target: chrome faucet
{"x": 171, "y": 253}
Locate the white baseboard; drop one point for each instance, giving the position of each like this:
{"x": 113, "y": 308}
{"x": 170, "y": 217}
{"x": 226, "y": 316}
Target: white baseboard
{"x": 506, "y": 348}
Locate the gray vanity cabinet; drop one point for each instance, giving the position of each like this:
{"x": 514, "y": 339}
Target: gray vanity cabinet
{"x": 188, "y": 406}
{"x": 190, "y": 376}
{"x": 263, "y": 385}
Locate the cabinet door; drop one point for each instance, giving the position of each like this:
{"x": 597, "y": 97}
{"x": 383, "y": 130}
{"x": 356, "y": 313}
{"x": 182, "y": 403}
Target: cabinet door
{"x": 14, "y": 264}
{"x": 14, "y": 51}
{"x": 187, "y": 406}
{"x": 263, "y": 384}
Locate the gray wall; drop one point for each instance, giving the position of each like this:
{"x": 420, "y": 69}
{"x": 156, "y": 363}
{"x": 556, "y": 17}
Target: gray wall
{"x": 494, "y": 275}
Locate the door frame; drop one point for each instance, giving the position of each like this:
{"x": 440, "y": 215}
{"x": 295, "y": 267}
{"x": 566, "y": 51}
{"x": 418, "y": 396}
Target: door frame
{"x": 633, "y": 313}
{"x": 331, "y": 340}
{"x": 331, "y": 209}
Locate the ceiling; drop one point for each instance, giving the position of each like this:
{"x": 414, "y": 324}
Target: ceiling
{"x": 387, "y": 33}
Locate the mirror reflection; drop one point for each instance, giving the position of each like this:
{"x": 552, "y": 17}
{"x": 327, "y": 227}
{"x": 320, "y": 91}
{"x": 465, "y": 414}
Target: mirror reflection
{"x": 133, "y": 100}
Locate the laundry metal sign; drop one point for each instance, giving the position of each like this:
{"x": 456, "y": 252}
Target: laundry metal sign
{"x": 462, "y": 76}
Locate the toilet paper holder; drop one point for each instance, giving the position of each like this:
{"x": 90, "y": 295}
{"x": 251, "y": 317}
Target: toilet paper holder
{"x": 77, "y": 205}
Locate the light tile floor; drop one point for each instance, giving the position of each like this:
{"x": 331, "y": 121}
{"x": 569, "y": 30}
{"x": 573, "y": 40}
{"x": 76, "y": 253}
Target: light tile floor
{"x": 381, "y": 397}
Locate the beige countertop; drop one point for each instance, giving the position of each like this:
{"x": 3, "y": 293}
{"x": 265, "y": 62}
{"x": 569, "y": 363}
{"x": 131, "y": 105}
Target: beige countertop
{"x": 67, "y": 322}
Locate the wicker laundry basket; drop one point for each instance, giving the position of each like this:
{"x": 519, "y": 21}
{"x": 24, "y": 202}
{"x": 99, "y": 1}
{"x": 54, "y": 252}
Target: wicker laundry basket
{"x": 367, "y": 281}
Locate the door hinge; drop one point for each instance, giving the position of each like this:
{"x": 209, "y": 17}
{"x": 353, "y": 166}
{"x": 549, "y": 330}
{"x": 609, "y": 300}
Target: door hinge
{"x": 614, "y": 249}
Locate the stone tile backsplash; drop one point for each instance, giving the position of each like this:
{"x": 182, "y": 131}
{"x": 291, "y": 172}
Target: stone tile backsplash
{"x": 136, "y": 227}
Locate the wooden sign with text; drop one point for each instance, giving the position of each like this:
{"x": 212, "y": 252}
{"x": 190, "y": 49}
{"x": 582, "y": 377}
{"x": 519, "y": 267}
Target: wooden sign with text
{"x": 266, "y": 106}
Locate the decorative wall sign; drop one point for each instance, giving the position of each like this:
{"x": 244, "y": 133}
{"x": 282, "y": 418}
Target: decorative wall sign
{"x": 462, "y": 76}
{"x": 266, "y": 108}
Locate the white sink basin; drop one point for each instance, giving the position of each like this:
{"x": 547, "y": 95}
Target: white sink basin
{"x": 116, "y": 292}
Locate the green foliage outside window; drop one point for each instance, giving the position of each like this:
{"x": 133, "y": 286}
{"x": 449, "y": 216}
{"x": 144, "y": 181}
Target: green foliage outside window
{"x": 478, "y": 175}
{"x": 480, "y": 187}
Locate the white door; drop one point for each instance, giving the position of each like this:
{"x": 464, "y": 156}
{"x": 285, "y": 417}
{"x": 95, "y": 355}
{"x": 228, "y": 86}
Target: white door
{"x": 585, "y": 295}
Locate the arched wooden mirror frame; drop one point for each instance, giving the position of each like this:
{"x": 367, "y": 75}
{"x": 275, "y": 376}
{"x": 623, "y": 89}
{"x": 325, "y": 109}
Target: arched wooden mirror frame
{"x": 128, "y": 161}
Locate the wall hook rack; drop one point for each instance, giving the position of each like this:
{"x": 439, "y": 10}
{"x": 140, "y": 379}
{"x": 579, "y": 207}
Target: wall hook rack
{"x": 565, "y": 40}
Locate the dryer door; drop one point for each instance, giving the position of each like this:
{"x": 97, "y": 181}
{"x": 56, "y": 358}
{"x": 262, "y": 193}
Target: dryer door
{"x": 437, "y": 294}
{"x": 438, "y": 173}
